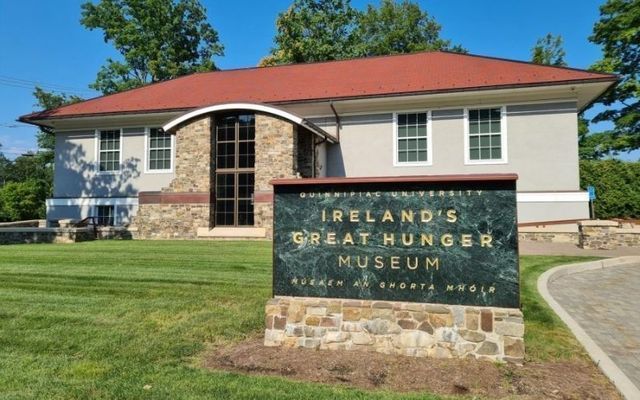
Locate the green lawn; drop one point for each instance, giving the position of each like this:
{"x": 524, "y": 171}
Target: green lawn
{"x": 105, "y": 319}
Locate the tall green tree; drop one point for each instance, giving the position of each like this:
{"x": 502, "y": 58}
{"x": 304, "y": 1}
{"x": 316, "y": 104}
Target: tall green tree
{"x": 399, "y": 27}
{"x": 4, "y": 164}
{"x": 158, "y": 40}
{"x": 322, "y": 30}
{"x": 549, "y": 50}
{"x": 618, "y": 32}
{"x": 314, "y": 30}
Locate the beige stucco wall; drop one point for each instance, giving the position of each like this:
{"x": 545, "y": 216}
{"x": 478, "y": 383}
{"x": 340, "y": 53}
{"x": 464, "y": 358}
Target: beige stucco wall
{"x": 75, "y": 171}
{"x": 542, "y": 147}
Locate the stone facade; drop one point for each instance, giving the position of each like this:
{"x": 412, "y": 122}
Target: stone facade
{"x": 411, "y": 329}
{"x": 193, "y": 166}
{"x": 607, "y": 235}
{"x": 282, "y": 150}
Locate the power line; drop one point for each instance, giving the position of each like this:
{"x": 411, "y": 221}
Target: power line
{"x": 31, "y": 85}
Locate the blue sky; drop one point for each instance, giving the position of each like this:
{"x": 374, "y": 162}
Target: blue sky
{"x": 43, "y": 41}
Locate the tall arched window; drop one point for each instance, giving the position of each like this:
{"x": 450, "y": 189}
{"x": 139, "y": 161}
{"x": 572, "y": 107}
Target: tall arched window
{"x": 234, "y": 169}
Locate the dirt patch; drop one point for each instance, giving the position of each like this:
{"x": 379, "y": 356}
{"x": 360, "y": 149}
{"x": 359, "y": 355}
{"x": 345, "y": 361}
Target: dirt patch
{"x": 368, "y": 370}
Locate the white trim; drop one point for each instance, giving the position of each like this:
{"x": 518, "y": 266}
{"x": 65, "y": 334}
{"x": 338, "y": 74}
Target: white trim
{"x": 147, "y": 138}
{"x": 92, "y": 201}
{"x": 552, "y": 197}
{"x": 440, "y": 108}
{"x": 429, "y": 161}
{"x": 97, "y": 152}
{"x": 503, "y": 137}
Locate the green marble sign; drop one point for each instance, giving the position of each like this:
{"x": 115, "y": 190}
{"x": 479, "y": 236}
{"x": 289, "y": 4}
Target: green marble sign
{"x": 424, "y": 241}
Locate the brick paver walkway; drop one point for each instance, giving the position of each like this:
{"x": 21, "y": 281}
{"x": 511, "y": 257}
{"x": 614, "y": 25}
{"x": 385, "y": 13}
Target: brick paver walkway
{"x": 606, "y": 304}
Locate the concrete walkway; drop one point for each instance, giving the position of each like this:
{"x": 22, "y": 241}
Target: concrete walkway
{"x": 568, "y": 249}
{"x": 600, "y": 303}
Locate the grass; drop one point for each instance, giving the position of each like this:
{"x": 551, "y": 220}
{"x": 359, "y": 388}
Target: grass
{"x": 130, "y": 320}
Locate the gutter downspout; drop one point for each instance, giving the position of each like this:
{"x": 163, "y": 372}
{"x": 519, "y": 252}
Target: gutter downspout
{"x": 338, "y": 122}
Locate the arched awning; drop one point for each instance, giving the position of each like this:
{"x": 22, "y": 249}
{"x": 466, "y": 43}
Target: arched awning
{"x": 253, "y": 107}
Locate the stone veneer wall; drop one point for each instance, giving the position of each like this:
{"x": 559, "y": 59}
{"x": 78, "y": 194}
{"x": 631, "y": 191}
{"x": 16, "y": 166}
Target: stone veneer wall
{"x": 549, "y": 237}
{"x": 20, "y": 235}
{"x": 607, "y": 235}
{"x": 412, "y": 329}
{"x": 193, "y": 162}
{"x": 306, "y": 155}
{"x": 276, "y": 157}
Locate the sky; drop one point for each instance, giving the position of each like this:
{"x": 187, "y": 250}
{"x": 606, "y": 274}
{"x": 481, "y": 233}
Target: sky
{"x": 42, "y": 41}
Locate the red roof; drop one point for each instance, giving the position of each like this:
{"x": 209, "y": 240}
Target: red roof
{"x": 425, "y": 72}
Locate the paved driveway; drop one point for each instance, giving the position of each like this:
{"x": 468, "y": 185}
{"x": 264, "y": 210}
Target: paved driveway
{"x": 606, "y": 304}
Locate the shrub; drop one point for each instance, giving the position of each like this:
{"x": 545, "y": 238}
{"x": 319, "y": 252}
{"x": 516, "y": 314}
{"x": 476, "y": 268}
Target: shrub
{"x": 23, "y": 200}
{"x": 617, "y": 186}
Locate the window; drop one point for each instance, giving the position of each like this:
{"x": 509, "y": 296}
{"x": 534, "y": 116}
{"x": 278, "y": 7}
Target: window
{"x": 109, "y": 150}
{"x": 413, "y": 145}
{"x": 159, "y": 157}
{"x": 235, "y": 160}
{"x": 105, "y": 215}
{"x": 485, "y": 138}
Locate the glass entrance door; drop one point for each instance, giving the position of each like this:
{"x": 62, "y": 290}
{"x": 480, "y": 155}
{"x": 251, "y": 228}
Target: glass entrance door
{"x": 234, "y": 169}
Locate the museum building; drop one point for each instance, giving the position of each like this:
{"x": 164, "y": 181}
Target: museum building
{"x": 194, "y": 156}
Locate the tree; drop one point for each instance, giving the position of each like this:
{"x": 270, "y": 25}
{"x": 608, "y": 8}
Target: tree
{"x": 22, "y": 200}
{"x": 322, "y": 30}
{"x": 158, "y": 40}
{"x": 395, "y": 28}
{"x": 549, "y": 51}
{"x": 618, "y": 34}
{"x": 47, "y": 101}
{"x": 4, "y": 163}
{"x": 314, "y": 30}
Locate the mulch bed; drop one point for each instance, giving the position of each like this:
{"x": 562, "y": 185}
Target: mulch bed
{"x": 576, "y": 379}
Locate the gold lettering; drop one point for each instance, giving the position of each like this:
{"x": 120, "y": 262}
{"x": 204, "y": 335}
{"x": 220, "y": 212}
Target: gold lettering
{"x": 387, "y": 216}
{"x": 426, "y": 239}
{"x": 344, "y": 260}
{"x": 395, "y": 262}
{"x": 324, "y": 215}
{"x": 415, "y": 263}
{"x": 337, "y": 215}
{"x": 407, "y": 216}
{"x": 347, "y": 239}
{"x": 366, "y": 262}
{"x": 451, "y": 216}
{"x": 446, "y": 240}
{"x": 426, "y": 216}
{"x": 485, "y": 240}
{"x": 379, "y": 262}
{"x": 433, "y": 263}
{"x": 297, "y": 237}
{"x": 314, "y": 238}
{"x": 354, "y": 216}
{"x": 466, "y": 240}
{"x": 331, "y": 238}
{"x": 407, "y": 239}
{"x": 368, "y": 217}
{"x": 389, "y": 239}
{"x": 364, "y": 237}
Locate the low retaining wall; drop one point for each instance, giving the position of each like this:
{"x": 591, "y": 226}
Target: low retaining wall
{"x": 411, "y": 329}
{"x": 607, "y": 235}
{"x": 61, "y": 235}
{"x": 45, "y": 235}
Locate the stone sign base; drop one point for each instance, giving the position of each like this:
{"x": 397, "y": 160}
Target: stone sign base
{"x": 411, "y": 329}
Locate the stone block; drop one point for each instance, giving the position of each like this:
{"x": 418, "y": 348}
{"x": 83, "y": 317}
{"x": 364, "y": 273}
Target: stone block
{"x": 296, "y": 312}
{"x": 407, "y": 324}
{"x": 279, "y": 322}
{"x": 488, "y": 349}
{"x": 312, "y": 320}
{"x": 383, "y": 313}
{"x": 426, "y": 327}
{"x": 330, "y": 322}
{"x": 513, "y": 347}
{"x": 314, "y": 310}
{"x": 336, "y": 337}
{"x": 361, "y": 338}
{"x": 351, "y": 313}
{"x": 472, "y": 336}
{"x": 381, "y": 327}
{"x": 486, "y": 320}
{"x": 441, "y": 320}
{"x": 509, "y": 329}
{"x": 472, "y": 320}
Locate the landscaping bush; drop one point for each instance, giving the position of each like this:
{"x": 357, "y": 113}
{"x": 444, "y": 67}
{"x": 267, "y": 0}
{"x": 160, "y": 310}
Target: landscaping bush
{"x": 617, "y": 186}
{"x": 23, "y": 200}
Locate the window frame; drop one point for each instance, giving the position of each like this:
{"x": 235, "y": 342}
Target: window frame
{"x": 429, "y": 161}
{"x": 147, "y": 151}
{"x": 97, "y": 151}
{"x": 503, "y": 136}
{"x": 94, "y": 212}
